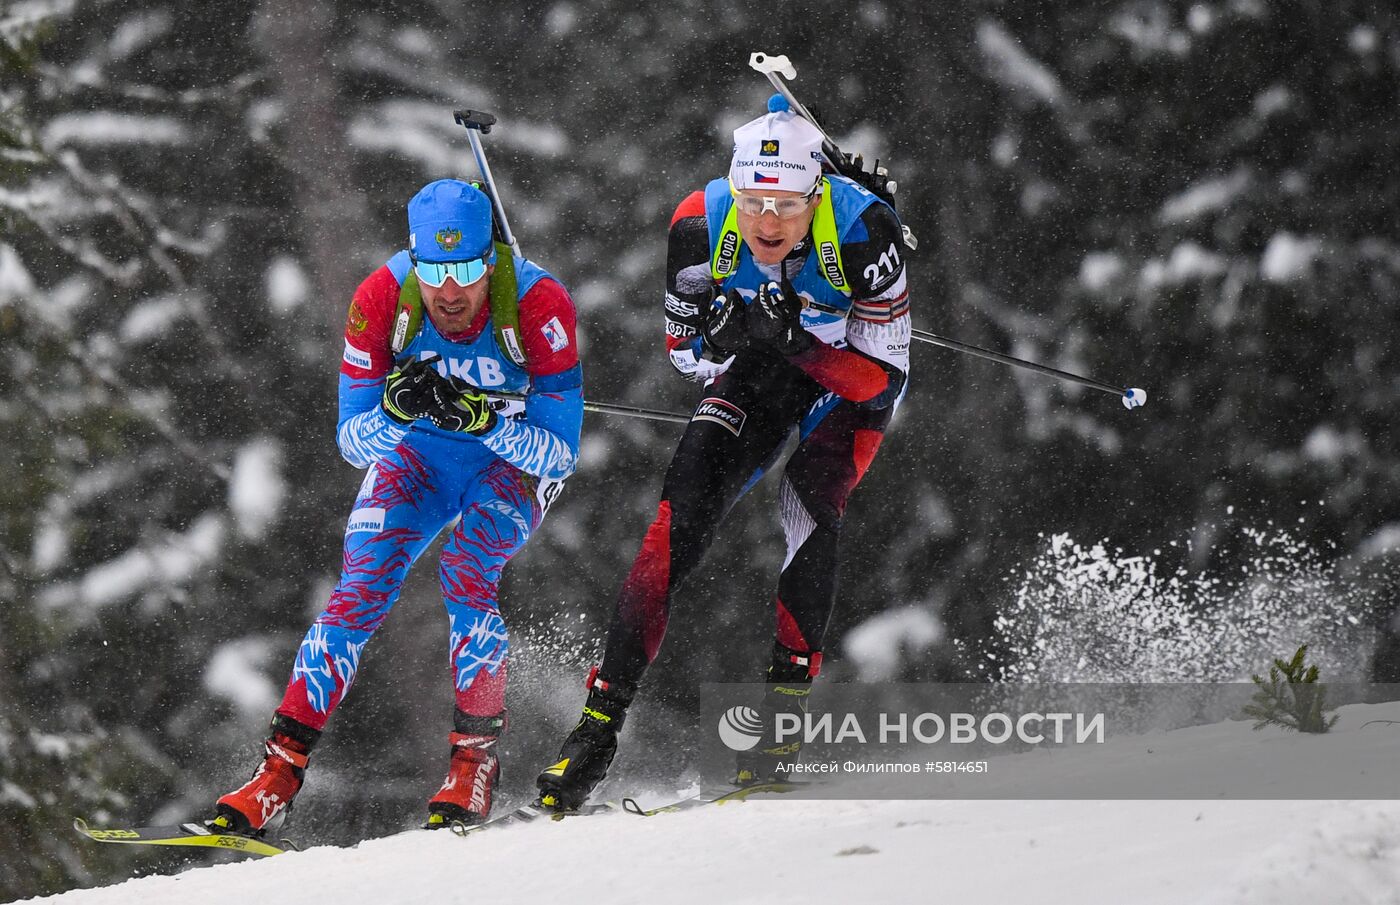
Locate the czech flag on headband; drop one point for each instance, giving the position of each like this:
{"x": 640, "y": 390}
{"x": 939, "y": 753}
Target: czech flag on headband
{"x": 764, "y": 179}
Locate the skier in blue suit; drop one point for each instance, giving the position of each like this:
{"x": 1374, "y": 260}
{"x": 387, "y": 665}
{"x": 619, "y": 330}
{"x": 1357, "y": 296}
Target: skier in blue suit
{"x": 430, "y": 335}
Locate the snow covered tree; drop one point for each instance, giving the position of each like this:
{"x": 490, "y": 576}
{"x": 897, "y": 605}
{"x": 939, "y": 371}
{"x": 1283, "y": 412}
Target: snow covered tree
{"x": 139, "y": 496}
{"x": 55, "y": 758}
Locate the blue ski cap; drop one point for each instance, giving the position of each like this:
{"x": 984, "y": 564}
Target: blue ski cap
{"x": 780, "y": 151}
{"x": 450, "y": 220}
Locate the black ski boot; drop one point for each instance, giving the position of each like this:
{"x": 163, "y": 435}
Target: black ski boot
{"x": 588, "y": 751}
{"x": 789, "y": 682}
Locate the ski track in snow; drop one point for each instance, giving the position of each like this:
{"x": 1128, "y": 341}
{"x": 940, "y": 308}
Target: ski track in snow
{"x": 864, "y": 851}
{"x": 1080, "y": 852}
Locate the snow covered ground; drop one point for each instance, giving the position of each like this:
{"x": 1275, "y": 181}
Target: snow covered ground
{"x": 864, "y": 851}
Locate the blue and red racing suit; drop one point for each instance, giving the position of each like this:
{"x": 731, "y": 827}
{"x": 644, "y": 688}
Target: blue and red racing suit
{"x": 838, "y": 396}
{"x": 420, "y": 480}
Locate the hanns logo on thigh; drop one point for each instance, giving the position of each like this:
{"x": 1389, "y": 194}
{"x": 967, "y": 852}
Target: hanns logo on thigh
{"x": 722, "y": 412}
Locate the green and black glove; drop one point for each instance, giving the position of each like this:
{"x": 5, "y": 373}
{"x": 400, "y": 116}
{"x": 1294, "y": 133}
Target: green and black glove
{"x": 775, "y": 319}
{"x": 408, "y": 390}
{"x": 459, "y": 406}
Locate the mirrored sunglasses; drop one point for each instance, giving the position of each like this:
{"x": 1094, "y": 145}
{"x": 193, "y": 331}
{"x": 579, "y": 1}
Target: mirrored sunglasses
{"x": 463, "y": 272}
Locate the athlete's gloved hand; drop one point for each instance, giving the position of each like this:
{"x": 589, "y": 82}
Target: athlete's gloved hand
{"x": 775, "y": 319}
{"x": 461, "y": 407}
{"x": 408, "y": 390}
{"x": 723, "y": 331}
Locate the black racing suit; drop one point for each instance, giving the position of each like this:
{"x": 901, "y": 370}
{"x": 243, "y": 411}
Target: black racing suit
{"x": 740, "y": 427}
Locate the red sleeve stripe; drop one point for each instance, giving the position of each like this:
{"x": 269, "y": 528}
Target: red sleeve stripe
{"x": 692, "y": 206}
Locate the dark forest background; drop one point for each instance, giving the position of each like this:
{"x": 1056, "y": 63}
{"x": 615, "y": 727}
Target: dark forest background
{"x": 1197, "y": 198}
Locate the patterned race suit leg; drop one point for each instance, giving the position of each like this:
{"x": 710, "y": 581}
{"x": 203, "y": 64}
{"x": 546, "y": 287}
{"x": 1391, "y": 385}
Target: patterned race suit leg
{"x": 406, "y": 499}
{"x": 499, "y": 512}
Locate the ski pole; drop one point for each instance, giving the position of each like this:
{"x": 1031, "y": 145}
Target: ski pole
{"x": 477, "y": 124}
{"x": 772, "y": 67}
{"x": 602, "y": 408}
{"x": 608, "y": 408}
{"x": 1132, "y": 396}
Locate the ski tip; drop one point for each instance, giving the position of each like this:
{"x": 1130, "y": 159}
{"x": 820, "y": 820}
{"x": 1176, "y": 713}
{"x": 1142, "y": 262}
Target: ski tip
{"x": 1134, "y": 397}
{"x": 80, "y": 825}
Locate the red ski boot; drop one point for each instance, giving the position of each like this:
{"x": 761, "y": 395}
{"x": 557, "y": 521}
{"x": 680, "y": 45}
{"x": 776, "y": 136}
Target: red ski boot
{"x": 465, "y": 796}
{"x": 275, "y": 783}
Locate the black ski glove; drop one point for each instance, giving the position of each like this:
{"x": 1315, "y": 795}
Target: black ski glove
{"x": 462, "y": 407}
{"x": 408, "y": 390}
{"x": 775, "y": 319}
{"x": 723, "y": 332}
